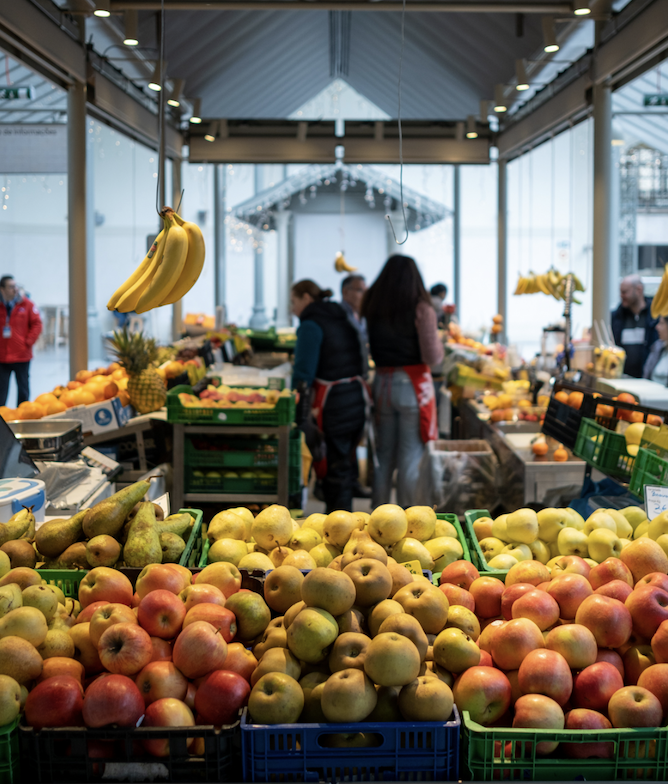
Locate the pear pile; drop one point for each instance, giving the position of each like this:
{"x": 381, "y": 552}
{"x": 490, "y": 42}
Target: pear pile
{"x": 545, "y": 536}
{"x": 272, "y": 538}
{"x": 120, "y": 530}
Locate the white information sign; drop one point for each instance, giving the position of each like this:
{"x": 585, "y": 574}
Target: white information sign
{"x": 656, "y": 500}
{"x": 33, "y": 149}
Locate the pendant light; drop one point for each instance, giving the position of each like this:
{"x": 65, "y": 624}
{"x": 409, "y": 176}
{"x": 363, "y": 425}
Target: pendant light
{"x": 131, "y": 21}
{"x": 155, "y": 82}
{"x": 549, "y": 35}
{"x": 196, "y": 119}
{"x": 177, "y": 90}
{"x": 580, "y": 8}
{"x": 471, "y": 131}
{"x": 102, "y": 8}
{"x": 499, "y": 100}
{"x": 521, "y": 74}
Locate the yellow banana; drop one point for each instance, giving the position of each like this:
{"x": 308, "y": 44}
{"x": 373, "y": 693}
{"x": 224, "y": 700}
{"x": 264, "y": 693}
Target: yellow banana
{"x": 194, "y": 262}
{"x": 340, "y": 264}
{"x": 660, "y": 299}
{"x": 169, "y": 269}
{"x": 137, "y": 274}
{"x": 130, "y": 298}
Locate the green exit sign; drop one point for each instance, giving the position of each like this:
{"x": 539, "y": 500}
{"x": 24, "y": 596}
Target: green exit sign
{"x": 16, "y": 93}
{"x": 658, "y": 99}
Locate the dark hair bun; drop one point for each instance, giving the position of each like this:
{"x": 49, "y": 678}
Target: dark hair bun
{"x": 326, "y": 293}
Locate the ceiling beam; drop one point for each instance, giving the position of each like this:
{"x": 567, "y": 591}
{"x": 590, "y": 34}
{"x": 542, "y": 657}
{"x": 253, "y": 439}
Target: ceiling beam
{"x": 345, "y": 5}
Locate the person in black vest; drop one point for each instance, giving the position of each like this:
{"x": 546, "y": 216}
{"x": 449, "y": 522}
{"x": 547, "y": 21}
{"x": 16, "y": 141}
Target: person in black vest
{"x": 633, "y": 327}
{"x": 328, "y": 374}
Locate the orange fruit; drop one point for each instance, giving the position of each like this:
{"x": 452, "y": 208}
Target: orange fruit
{"x": 8, "y": 414}
{"x": 55, "y": 407}
{"x": 111, "y": 390}
{"x": 74, "y": 384}
{"x": 636, "y": 416}
{"x": 67, "y": 398}
{"x": 118, "y": 374}
{"x": 539, "y": 448}
{"x": 560, "y": 455}
{"x": 653, "y": 419}
{"x": 604, "y": 411}
{"x": 83, "y": 376}
{"x": 83, "y": 397}
{"x": 31, "y": 410}
{"x": 561, "y": 396}
{"x": 113, "y": 366}
{"x": 575, "y": 399}
{"x": 45, "y": 399}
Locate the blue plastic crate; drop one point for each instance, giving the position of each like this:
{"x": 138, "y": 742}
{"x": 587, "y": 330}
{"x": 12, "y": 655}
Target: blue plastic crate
{"x": 405, "y": 751}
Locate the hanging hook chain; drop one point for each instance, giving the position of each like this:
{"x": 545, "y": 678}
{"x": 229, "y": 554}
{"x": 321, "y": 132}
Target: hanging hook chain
{"x": 161, "y": 111}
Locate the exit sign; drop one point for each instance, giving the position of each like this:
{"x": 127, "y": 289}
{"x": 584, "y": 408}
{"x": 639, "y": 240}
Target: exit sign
{"x": 658, "y": 99}
{"x": 16, "y": 93}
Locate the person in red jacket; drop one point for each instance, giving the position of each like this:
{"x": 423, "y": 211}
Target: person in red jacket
{"x": 20, "y": 326}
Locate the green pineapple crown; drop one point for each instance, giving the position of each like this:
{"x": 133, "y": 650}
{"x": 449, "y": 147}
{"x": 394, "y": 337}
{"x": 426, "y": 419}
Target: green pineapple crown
{"x": 134, "y": 351}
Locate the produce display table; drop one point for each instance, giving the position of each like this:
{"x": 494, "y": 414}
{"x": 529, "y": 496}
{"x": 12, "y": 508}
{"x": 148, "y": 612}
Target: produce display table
{"x": 178, "y": 482}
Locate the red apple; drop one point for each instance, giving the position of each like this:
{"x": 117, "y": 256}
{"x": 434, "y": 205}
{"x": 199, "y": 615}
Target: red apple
{"x": 161, "y": 613}
{"x": 484, "y": 692}
{"x": 659, "y": 579}
{"x": 606, "y": 655}
{"x": 189, "y": 699}
{"x": 486, "y": 592}
{"x": 458, "y": 596}
{"x": 608, "y": 619}
{"x": 634, "y": 706}
{"x": 219, "y": 617}
{"x": 84, "y": 650}
{"x": 660, "y": 643}
{"x": 636, "y": 659}
{"x": 113, "y": 699}
{"x": 241, "y": 660}
{"x": 486, "y": 659}
{"x": 220, "y": 697}
{"x": 202, "y": 594}
{"x": 512, "y": 641}
{"x": 648, "y": 606}
{"x": 537, "y": 606}
{"x": 546, "y": 672}
{"x": 593, "y": 686}
{"x": 199, "y": 649}
{"x": 569, "y": 589}
{"x": 488, "y": 629}
{"x": 105, "y": 584}
{"x": 161, "y": 679}
{"x": 87, "y": 613}
{"x": 615, "y": 589}
{"x": 572, "y": 564}
{"x": 109, "y": 615}
{"x": 533, "y": 572}
{"x": 515, "y": 690}
{"x": 166, "y": 712}
{"x": 56, "y": 702}
{"x": 574, "y": 642}
{"x": 510, "y": 594}
{"x": 536, "y": 711}
{"x": 644, "y": 556}
{"x": 461, "y": 573}
{"x": 136, "y": 599}
{"x": 655, "y": 679}
{"x": 607, "y": 571}
{"x": 162, "y": 649}
{"x": 223, "y": 575}
{"x": 125, "y": 648}
{"x": 584, "y": 719}
{"x": 159, "y": 577}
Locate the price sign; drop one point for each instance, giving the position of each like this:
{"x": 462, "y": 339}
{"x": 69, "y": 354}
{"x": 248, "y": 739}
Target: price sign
{"x": 414, "y": 567}
{"x": 656, "y": 500}
{"x": 163, "y": 503}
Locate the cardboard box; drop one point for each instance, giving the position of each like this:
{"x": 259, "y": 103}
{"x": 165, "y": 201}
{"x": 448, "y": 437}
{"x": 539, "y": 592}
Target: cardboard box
{"x": 103, "y": 417}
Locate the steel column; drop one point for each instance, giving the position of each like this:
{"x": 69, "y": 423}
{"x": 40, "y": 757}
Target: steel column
{"x": 456, "y": 239}
{"x": 76, "y": 227}
{"x": 220, "y": 238}
{"x": 602, "y": 228}
{"x": 259, "y": 318}
{"x": 502, "y": 246}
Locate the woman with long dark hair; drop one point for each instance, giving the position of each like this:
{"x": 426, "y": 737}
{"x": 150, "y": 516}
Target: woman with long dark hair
{"x": 404, "y": 342}
{"x": 328, "y": 375}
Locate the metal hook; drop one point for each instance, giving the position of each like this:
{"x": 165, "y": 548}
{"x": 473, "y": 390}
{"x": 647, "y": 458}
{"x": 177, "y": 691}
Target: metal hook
{"x": 178, "y": 206}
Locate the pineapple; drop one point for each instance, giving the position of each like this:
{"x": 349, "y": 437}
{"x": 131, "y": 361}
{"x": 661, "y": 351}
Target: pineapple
{"x": 137, "y": 354}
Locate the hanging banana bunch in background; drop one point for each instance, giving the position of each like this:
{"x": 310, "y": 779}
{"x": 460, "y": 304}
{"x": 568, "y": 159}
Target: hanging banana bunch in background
{"x": 169, "y": 270}
{"x": 551, "y": 282}
{"x": 660, "y": 300}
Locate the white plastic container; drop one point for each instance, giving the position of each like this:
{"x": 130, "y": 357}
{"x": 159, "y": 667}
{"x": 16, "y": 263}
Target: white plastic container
{"x": 17, "y": 493}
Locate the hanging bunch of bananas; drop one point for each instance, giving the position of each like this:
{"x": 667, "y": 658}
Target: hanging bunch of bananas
{"x": 340, "y": 263}
{"x": 551, "y": 282}
{"x": 169, "y": 270}
{"x": 660, "y": 301}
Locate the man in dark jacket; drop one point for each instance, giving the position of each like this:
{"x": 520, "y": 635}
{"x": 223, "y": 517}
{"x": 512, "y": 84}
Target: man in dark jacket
{"x": 633, "y": 327}
{"x": 20, "y": 327}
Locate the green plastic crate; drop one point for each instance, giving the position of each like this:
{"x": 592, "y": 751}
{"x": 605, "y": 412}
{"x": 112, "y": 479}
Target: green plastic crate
{"x": 252, "y": 453}
{"x": 477, "y": 558}
{"x": 67, "y": 580}
{"x": 256, "y": 484}
{"x": 454, "y": 520}
{"x": 195, "y": 534}
{"x": 604, "y": 449}
{"x": 506, "y": 753}
{"x": 649, "y": 469}
{"x": 283, "y": 413}
{"x": 9, "y": 753}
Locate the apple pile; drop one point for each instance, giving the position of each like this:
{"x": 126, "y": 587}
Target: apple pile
{"x": 547, "y": 535}
{"x": 566, "y": 647}
{"x": 273, "y": 538}
{"x": 233, "y": 397}
{"x": 171, "y": 653}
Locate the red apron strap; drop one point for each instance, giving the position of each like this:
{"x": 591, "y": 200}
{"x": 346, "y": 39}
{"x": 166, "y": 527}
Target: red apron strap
{"x": 423, "y": 385}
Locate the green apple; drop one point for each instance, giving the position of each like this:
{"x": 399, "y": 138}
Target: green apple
{"x": 658, "y": 526}
{"x": 540, "y": 551}
{"x": 499, "y": 528}
{"x": 624, "y": 528}
{"x": 641, "y": 529}
{"x": 491, "y": 546}
{"x": 518, "y": 550}
{"x": 311, "y": 633}
{"x": 635, "y": 515}
{"x": 502, "y": 561}
{"x": 572, "y": 542}
{"x": 409, "y": 549}
{"x": 551, "y": 521}
{"x": 444, "y": 550}
{"x": 603, "y": 543}
{"x": 599, "y": 519}
{"x": 522, "y": 526}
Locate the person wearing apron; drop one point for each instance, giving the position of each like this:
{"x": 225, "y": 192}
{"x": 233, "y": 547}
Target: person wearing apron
{"x": 404, "y": 343}
{"x": 328, "y": 372}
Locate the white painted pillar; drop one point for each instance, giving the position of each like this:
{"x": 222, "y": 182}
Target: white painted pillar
{"x": 259, "y": 318}
{"x": 283, "y": 221}
{"x": 76, "y": 227}
{"x": 602, "y": 234}
{"x": 502, "y": 249}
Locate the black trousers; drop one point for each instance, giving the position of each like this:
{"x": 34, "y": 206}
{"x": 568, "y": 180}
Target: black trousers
{"x": 22, "y": 372}
{"x": 341, "y": 470}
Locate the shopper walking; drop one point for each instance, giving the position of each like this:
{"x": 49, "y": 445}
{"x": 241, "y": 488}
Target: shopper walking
{"x": 21, "y": 326}
{"x": 328, "y": 375}
{"x": 633, "y": 327}
{"x": 404, "y": 342}
{"x": 656, "y": 366}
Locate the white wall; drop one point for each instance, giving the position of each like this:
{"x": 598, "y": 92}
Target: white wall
{"x": 651, "y": 229}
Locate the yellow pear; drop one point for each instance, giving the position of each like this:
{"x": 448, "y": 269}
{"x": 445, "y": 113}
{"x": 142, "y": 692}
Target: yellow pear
{"x": 300, "y": 559}
{"x": 324, "y": 553}
{"x": 305, "y": 539}
{"x": 316, "y": 521}
{"x": 444, "y": 550}
{"x": 227, "y": 525}
{"x": 444, "y": 528}
{"x": 272, "y": 527}
{"x": 338, "y": 528}
{"x": 247, "y": 516}
{"x": 421, "y": 522}
{"x": 500, "y": 528}
{"x": 388, "y": 524}
{"x": 229, "y": 550}
{"x": 255, "y": 561}
{"x": 409, "y": 549}
{"x": 26, "y": 622}
{"x": 522, "y": 526}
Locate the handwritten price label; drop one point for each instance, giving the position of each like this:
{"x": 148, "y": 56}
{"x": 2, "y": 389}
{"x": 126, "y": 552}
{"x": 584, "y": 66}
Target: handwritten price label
{"x": 656, "y": 500}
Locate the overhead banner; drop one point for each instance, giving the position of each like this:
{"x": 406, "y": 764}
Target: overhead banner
{"x": 33, "y": 149}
